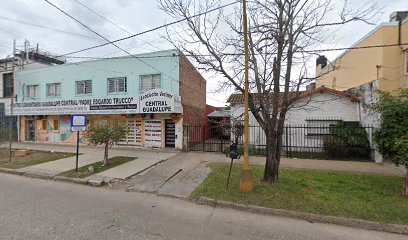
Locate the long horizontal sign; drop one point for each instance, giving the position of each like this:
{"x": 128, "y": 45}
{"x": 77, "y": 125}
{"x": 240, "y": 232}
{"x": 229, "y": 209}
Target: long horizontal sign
{"x": 153, "y": 101}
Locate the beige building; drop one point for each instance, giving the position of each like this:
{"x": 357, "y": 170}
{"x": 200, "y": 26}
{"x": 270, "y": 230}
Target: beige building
{"x": 368, "y": 62}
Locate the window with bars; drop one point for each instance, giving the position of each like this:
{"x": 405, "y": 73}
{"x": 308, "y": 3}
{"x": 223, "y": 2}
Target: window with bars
{"x": 117, "y": 85}
{"x": 319, "y": 127}
{"x": 148, "y": 82}
{"x": 53, "y": 89}
{"x": 83, "y": 87}
{"x": 32, "y": 91}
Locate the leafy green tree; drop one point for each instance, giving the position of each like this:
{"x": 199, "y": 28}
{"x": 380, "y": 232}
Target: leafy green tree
{"x": 392, "y": 135}
{"x": 106, "y": 134}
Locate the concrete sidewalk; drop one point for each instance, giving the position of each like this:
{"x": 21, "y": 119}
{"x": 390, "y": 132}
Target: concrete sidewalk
{"x": 181, "y": 174}
{"x": 89, "y": 155}
{"x": 329, "y": 165}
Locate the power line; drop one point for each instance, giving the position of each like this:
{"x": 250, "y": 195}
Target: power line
{"x": 110, "y": 42}
{"x": 241, "y": 54}
{"x": 150, "y": 30}
{"x": 114, "y": 24}
{"x": 48, "y": 28}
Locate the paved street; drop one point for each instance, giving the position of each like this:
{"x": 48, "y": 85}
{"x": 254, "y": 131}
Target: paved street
{"x": 42, "y": 209}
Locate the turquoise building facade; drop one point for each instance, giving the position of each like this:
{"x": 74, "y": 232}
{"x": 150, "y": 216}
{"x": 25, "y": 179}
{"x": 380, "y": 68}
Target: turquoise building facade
{"x": 141, "y": 91}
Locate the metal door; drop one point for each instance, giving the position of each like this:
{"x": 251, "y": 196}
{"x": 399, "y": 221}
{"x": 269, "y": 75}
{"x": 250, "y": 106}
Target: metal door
{"x": 134, "y": 136}
{"x": 170, "y": 133}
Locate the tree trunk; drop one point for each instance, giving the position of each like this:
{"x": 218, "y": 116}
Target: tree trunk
{"x": 271, "y": 172}
{"x": 105, "y": 157}
{"x": 406, "y": 182}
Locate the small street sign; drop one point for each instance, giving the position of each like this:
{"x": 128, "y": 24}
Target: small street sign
{"x": 78, "y": 123}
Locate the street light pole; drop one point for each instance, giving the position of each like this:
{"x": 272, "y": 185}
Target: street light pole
{"x": 246, "y": 182}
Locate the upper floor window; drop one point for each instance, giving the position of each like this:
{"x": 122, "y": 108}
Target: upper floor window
{"x": 83, "y": 87}
{"x": 117, "y": 85}
{"x": 32, "y": 91}
{"x": 8, "y": 85}
{"x": 148, "y": 82}
{"x": 53, "y": 89}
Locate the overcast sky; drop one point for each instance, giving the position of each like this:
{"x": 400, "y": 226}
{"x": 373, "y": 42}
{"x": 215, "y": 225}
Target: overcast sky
{"x": 132, "y": 15}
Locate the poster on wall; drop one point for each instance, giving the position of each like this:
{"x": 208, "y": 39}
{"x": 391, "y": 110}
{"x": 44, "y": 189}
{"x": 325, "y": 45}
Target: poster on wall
{"x": 153, "y": 133}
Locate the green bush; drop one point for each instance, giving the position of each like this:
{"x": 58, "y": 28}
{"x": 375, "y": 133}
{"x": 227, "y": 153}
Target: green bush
{"x": 346, "y": 142}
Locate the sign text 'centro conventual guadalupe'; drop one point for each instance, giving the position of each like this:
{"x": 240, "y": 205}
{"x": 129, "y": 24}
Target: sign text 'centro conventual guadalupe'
{"x": 153, "y": 101}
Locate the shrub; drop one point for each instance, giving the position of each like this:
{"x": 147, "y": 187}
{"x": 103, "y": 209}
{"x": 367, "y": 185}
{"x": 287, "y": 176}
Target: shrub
{"x": 347, "y": 142}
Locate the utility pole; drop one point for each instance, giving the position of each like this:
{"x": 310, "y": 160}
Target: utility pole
{"x": 10, "y": 118}
{"x": 246, "y": 182}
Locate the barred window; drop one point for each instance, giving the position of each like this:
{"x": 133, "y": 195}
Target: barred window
{"x": 117, "y": 85}
{"x": 32, "y": 91}
{"x": 148, "y": 82}
{"x": 84, "y": 87}
{"x": 53, "y": 89}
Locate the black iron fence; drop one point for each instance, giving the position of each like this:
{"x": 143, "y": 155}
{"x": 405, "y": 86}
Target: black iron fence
{"x": 299, "y": 141}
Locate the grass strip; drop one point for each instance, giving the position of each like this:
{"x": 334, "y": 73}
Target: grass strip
{"x": 352, "y": 195}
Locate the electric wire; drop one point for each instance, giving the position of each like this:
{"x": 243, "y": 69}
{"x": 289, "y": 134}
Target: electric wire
{"x": 114, "y": 24}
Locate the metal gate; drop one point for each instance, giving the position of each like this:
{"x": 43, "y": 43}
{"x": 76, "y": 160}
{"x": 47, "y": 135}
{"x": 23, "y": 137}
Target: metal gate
{"x": 340, "y": 142}
{"x": 207, "y": 138}
{"x": 134, "y": 136}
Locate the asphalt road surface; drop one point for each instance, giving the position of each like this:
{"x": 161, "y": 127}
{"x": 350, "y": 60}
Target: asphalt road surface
{"x": 43, "y": 209}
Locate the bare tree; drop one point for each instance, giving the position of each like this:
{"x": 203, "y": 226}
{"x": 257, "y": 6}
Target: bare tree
{"x": 281, "y": 34}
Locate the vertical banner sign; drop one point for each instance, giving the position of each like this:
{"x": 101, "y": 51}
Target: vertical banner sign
{"x": 78, "y": 123}
{"x": 153, "y": 133}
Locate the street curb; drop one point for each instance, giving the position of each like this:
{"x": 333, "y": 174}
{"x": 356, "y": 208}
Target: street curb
{"x": 70, "y": 180}
{"x": 348, "y": 222}
{"x": 93, "y": 183}
{"x": 37, "y": 175}
{"x": 11, "y": 171}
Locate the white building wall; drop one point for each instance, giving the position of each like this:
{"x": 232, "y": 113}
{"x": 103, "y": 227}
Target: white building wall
{"x": 179, "y": 135}
{"x": 320, "y": 106}
{"x": 323, "y": 106}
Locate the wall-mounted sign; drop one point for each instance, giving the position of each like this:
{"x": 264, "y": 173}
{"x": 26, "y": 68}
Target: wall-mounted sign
{"x": 153, "y": 133}
{"x": 153, "y": 101}
{"x": 159, "y": 101}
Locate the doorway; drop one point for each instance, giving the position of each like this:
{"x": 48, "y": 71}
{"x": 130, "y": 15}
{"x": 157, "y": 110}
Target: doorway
{"x": 30, "y": 134}
{"x": 170, "y": 133}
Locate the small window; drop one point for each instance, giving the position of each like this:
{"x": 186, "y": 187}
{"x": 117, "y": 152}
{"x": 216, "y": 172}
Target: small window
{"x": 56, "y": 124}
{"x": 83, "y": 87}
{"x": 44, "y": 124}
{"x": 117, "y": 85}
{"x": 32, "y": 91}
{"x": 319, "y": 127}
{"x": 406, "y": 62}
{"x": 53, "y": 89}
{"x": 148, "y": 82}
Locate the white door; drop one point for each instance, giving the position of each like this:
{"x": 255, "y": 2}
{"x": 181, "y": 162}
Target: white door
{"x": 134, "y": 136}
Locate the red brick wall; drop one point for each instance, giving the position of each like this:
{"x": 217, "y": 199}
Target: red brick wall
{"x": 192, "y": 92}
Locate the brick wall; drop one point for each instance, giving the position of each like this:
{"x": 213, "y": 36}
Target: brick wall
{"x": 192, "y": 92}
